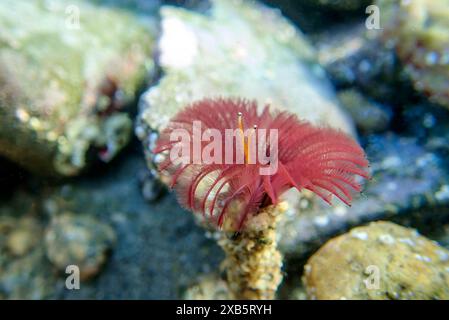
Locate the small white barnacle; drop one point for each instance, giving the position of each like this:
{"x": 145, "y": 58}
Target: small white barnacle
{"x": 386, "y": 239}
{"x": 359, "y": 235}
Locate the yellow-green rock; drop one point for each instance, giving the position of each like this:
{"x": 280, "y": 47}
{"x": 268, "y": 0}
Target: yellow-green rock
{"x": 67, "y": 69}
{"x": 379, "y": 261}
{"x": 81, "y": 240}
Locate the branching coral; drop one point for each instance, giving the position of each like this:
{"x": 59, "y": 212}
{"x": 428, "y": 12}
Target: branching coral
{"x": 265, "y": 154}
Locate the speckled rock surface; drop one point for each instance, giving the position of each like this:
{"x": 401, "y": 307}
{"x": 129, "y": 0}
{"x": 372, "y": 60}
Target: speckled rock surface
{"x": 80, "y": 240}
{"x": 67, "y": 69}
{"x": 230, "y": 53}
{"x": 353, "y": 57}
{"x": 407, "y": 266}
{"x": 419, "y": 32}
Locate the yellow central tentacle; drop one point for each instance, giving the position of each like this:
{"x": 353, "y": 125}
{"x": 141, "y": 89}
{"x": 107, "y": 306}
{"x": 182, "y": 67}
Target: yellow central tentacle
{"x": 246, "y": 142}
{"x": 242, "y": 132}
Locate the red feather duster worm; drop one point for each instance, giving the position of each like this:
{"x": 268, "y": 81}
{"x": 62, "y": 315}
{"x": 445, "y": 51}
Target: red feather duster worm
{"x": 322, "y": 160}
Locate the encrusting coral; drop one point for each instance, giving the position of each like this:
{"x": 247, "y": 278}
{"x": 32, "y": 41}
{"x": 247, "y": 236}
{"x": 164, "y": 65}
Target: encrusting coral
{"x": 265, "y": 154}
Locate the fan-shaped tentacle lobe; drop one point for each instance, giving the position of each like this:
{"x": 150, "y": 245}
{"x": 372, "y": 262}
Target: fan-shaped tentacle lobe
{"x": 322, "y": 160}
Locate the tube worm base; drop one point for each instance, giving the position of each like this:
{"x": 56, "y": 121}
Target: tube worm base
{"x": 253, "y": 263}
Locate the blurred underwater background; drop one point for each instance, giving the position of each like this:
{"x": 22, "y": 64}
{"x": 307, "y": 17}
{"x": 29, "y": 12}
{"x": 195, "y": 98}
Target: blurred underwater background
{"x": 85, "y": 87}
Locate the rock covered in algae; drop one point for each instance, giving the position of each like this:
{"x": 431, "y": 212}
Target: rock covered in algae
{"x": 67, "y": 69}
{"x": 353, "y": 57}
{"x": 81, "y": 240}
{"x": 240, "y": 49}
{"x": 419, "y": 31}
{"x": 379, "y": 261}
